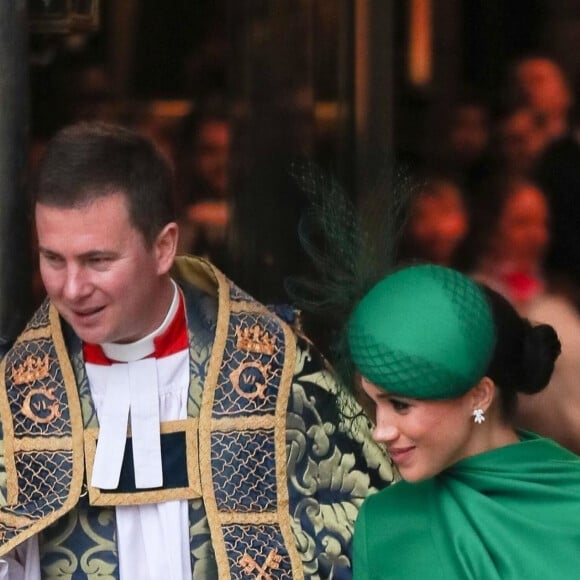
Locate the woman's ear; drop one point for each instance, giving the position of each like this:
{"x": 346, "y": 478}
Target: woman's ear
{"x": 483, "y": 394}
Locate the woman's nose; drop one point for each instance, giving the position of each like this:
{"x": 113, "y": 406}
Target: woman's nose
{"x": 385, "y": 431}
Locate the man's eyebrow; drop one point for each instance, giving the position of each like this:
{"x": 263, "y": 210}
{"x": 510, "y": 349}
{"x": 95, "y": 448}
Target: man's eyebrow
{"x": 96, "y": 254}
{"x": 85, "y": 256}
{"x": 44, "y": 250}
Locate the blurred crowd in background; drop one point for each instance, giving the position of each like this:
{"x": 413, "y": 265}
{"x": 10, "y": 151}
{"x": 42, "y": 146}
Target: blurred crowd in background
{"x": 496, "y": 197}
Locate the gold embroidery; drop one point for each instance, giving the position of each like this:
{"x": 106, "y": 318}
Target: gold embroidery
{"x": 225, "y": 424}
{"x": 19, "y": 488}
{"x": 41, "y": 406}
{"x": 255, "y": 339}
{"x": 14, "y": 520}
{"x": 36, "y": 444}
{"x": 251, "y": 380}
{"x": 250, "y": 565}
{"x": 205, "y": 432}
{"x": 32, "y": 369}
{"x": 32, "y": 334}
{"x": 225, "y": 328}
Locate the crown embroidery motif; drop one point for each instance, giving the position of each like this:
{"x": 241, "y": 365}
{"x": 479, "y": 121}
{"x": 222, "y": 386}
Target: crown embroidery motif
{"x": 255, "y": 339}
{"x": 32, "y": 369}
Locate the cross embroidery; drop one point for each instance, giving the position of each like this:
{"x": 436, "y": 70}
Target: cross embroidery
{"x": 250, "y": 565}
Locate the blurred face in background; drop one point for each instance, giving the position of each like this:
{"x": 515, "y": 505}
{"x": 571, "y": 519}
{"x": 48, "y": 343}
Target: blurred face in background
{"x": 438, "y": 222}
{"x": 522, "y": 234}
{"x": 521, "y": 138}
{"x": 211, "y": 156}
{"x": 543, "y": 83}
{"x": 469, "y": 132}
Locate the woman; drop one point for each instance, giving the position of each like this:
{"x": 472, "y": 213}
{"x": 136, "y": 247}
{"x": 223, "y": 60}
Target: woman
{"x": 443, "y": 360}
{"x": 513, "y": 232}
{"x": 511, "y": 262}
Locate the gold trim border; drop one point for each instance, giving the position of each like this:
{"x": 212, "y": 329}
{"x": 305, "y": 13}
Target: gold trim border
{"x": 192, "y": 491}
{"x": 34, "y": 334}
{"x": 8, "y": 440}
{"x": 42, "y": 444}
{"x": 226, "y": 424}
{"x": 208, "y": 425}
{"x": 283, "y": 503}
{"x": 205, "y": 424}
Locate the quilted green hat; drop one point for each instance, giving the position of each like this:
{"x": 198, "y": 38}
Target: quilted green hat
{"x": 423, "y": 332}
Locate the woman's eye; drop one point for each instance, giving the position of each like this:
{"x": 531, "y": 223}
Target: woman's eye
{"x": 399, "y": 405}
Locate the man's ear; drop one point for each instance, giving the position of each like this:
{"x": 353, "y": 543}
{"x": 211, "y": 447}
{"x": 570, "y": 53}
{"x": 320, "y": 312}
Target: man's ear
{"x": 165, "y": 247}
{"x": 483, "y": 394}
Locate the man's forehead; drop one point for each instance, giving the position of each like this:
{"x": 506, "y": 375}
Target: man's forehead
{"x": 88, "y": 200}
{"x": 103, "y": 218}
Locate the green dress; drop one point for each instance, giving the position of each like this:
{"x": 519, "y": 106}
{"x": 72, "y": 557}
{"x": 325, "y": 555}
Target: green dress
{"x": 512, "y": 513}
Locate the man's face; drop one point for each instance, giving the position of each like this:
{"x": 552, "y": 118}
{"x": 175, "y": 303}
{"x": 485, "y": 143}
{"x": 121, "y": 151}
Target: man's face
{"x": 98, "y": 271}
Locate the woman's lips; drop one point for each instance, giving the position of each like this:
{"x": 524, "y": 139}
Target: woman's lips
{"x": 400, "y": 454}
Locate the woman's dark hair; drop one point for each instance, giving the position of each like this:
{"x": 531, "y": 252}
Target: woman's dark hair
{"x": 524, "y": 355}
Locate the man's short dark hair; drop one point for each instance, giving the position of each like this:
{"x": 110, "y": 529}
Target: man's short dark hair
{"x": 88, "y": 161}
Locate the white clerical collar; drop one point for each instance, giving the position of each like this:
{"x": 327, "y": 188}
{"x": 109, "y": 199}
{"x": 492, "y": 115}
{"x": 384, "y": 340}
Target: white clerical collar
{"x": 132, "y": 394}
{"x": 144, "y": 346}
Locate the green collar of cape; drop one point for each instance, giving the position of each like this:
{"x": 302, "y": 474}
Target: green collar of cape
{"x": 510, "y": 513}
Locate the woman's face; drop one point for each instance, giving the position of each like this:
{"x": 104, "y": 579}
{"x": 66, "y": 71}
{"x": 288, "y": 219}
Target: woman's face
{"x": 522, "y": 233}
{"x": 423, "y": 437}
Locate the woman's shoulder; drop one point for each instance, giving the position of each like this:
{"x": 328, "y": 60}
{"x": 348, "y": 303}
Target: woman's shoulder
{"x": 401, "y": 497}
{"x": 395, "y": 527}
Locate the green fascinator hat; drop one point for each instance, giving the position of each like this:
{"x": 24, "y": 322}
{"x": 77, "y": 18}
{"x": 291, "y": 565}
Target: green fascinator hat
{"x": 423, "y": 332}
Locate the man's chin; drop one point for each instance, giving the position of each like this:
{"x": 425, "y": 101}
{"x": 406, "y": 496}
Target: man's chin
{"x": 87, "y": 328}
{"x": 91, "y": 335}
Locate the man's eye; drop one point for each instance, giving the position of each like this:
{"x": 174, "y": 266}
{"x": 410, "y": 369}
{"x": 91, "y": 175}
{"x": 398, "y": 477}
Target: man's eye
{"x": 99, "y": 260}
{"x": 52, "y": 259}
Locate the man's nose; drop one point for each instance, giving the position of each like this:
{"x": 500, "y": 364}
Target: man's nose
{"x": 76, "y": 283}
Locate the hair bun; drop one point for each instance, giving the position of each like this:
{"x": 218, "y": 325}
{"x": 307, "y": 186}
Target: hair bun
{"x": 541, "y": 348}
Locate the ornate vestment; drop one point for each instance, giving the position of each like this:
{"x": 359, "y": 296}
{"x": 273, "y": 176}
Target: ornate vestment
{"x": 279, "y": 459}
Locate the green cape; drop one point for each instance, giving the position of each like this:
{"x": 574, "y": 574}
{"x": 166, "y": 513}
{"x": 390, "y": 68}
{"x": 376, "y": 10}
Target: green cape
{"x": 512, "y": 513}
